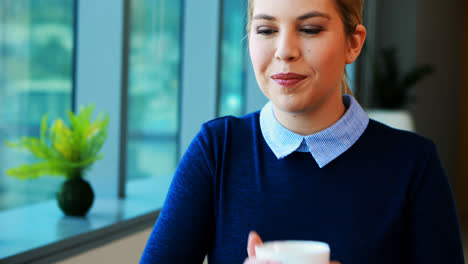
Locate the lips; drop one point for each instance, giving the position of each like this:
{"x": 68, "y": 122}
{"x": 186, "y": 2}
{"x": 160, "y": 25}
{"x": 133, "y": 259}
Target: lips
{"x": 288, "y": 79}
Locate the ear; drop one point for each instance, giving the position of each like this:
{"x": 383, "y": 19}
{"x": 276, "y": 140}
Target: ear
{"x": 355, "y": 43}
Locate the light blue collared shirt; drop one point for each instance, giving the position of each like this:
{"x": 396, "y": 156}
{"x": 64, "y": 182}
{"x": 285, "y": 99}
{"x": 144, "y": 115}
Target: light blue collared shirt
{"x": 326, "y": 145}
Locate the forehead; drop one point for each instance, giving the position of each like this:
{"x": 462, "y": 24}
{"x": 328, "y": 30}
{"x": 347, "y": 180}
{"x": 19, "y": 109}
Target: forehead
{"x": 293, "y": 8}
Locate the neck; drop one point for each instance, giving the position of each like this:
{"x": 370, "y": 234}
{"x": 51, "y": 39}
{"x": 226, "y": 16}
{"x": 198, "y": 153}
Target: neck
{"x": 312, "y": 120}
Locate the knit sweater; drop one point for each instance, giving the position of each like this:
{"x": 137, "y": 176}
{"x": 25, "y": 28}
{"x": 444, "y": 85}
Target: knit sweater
{"x": 385, "y": 200}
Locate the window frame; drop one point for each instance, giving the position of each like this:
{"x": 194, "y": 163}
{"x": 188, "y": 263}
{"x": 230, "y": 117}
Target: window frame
{"x": 100, "y": 77}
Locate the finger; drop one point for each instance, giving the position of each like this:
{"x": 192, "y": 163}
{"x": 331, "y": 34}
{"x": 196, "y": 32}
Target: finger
{"x": 254, "y": 239}
{"x": 335, "y": 262}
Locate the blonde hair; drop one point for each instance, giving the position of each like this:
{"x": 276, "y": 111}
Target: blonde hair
{"x": 351, "y": 15}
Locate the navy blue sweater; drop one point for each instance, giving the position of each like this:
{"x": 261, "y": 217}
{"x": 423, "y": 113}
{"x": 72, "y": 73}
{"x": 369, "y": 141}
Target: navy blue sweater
{"x": 385, "y": 200}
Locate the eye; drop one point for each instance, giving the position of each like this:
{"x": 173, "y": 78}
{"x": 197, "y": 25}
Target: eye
{"x": 311, "y": 31}
{"x": 265, "y": 31}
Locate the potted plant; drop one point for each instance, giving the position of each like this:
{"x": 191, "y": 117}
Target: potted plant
{"x": 393, "y": 89}
{"x": 393, "y": 86}
{"x": 66, "y": 151}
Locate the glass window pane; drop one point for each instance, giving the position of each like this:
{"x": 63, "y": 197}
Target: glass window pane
{"x": 36, "y": 56}
{"x": 154, "y": 80}
{"x": 233, "y": 50}
{"x": 351, "y": 71}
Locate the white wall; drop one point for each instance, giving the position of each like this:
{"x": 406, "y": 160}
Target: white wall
{"x": 124, "y": 250}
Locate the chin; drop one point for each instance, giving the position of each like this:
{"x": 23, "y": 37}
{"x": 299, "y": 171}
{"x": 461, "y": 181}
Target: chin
{"x": 291, "y": 107}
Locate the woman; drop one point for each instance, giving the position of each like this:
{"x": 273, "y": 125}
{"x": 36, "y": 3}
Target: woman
{"x": 310, "y": 165}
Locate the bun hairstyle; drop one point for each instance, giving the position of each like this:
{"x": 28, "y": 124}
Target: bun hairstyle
{"x": 351, "y": 15}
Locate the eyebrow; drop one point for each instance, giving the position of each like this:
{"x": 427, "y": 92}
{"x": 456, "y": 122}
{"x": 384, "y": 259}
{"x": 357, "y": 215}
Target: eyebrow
{"x": 301, "y": 17}
{"x": 314, "y": 14}
{"x": 264, "y": 17}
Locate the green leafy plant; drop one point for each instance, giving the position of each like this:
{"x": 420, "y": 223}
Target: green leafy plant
{"x": 393, "y": 86}
{"x": 62, "y": 150}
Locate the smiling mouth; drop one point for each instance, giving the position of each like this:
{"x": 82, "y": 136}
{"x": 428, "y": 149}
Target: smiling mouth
{"x": 289, "y": 79}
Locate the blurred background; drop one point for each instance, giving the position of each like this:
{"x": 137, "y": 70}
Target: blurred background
{"x": 412, "y": 74}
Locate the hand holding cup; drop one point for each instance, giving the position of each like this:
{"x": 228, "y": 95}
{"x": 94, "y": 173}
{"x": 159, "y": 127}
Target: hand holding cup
{"x": 286, "y": 252}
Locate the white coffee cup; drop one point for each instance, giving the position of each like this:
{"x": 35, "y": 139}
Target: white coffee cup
{"x": 294, "y": 252}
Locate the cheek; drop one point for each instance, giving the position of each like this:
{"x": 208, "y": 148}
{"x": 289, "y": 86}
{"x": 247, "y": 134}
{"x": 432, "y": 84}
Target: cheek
{"x": 259, "y": 55}
{"x": 326, "y": 57}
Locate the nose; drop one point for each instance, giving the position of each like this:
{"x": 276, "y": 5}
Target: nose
{"x": 287, "y": 48}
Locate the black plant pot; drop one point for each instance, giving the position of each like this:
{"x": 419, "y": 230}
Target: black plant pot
{"x": 75, "y": 197}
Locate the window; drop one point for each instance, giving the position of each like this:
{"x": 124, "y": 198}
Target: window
{"x": 155, "y": 136}
{"x": 351, "y": 71}
{"x": 233, "y": 51}
{"x": 154, "y": 90}
{"x": 36, "y": 58}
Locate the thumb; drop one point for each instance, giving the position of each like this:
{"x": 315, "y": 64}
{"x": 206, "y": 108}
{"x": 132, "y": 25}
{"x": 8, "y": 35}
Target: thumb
{"x": 254, "y": 239}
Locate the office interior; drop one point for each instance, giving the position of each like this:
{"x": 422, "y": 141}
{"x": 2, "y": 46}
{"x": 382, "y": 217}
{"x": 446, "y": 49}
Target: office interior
{"x": 162, "y": 68}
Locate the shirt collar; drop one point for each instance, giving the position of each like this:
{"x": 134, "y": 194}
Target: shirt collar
{"x": 326, "y": 145}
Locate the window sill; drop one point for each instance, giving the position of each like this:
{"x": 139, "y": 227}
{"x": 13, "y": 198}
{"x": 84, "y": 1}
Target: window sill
{"x": 41, "y": 233}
